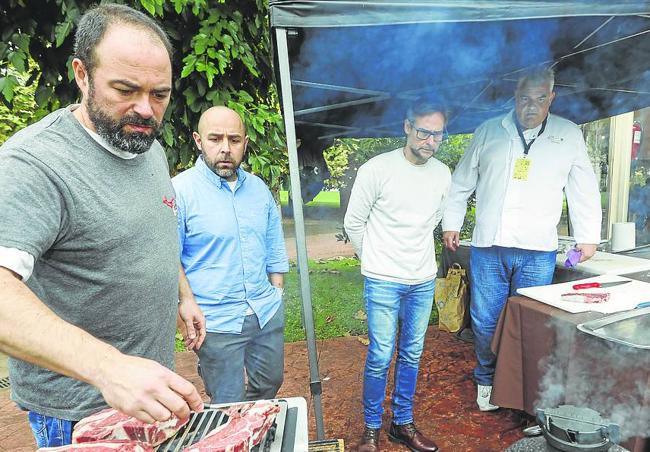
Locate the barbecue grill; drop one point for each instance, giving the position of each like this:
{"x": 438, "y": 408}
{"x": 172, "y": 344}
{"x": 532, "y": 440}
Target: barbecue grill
{"x": 569, "y": 428}
{"x": 287, "y": 434}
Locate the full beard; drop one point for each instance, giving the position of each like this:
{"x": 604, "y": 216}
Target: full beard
{"x": 225, "y": 173}
{"x": 113, "y": 130}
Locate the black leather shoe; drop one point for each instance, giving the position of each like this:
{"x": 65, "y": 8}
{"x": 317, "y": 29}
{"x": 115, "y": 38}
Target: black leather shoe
{"x": 408, "y": 435}
{"x": 369, "y": 440}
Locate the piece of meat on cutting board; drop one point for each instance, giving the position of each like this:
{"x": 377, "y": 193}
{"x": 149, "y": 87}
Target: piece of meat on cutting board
{"x": 111, "y": 424}
{"x": 585, "y": 297}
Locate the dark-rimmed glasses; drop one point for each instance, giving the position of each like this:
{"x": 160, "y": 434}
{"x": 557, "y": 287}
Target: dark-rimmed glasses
{"x": 424, "y": 134}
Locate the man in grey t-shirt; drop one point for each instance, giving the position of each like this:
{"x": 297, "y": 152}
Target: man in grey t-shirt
{"x": 89, "y": 259}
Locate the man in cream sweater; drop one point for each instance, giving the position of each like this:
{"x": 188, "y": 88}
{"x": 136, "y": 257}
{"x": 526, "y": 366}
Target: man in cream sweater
{"x": 394, "y": 207}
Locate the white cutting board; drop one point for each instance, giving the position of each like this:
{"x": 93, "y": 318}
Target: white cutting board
{"x": 609, "y": 264}
{"x": 622, "y": 298}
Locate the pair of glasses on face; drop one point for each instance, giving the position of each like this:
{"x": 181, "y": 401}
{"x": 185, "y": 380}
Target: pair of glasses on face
{"x": 424, "y": 134}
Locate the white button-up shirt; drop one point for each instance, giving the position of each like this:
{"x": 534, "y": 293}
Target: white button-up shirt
{"x": 525, "y": 213}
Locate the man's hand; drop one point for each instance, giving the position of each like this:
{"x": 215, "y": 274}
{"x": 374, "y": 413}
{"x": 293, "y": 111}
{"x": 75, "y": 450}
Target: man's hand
{"x": 451, "y": 239}
{"x": 588, "y": 250}
{"x": 145, "y": 389}
{"x": 191, "y": 322}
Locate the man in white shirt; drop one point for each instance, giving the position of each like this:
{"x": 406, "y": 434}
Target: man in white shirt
{"x": 519, "y": 165}
{"x": 394, "y": 207}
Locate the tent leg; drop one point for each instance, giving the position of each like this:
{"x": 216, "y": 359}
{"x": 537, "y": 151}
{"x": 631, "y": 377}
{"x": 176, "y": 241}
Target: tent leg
{"x": 301, "y": 244}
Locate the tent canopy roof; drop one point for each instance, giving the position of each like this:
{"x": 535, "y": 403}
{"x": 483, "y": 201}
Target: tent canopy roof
{"x": 356, "y": 65}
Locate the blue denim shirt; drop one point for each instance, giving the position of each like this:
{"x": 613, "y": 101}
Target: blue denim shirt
{"x": 229, "y": 243}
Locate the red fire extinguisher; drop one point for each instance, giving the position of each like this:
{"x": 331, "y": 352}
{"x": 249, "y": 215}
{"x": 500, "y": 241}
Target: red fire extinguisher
{"x": 637, "y": 137}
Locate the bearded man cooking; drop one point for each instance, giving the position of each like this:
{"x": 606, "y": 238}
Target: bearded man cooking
{"x": 89, "y": 265}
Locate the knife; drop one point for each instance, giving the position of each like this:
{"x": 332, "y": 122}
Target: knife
{"x": 591, "y": 285}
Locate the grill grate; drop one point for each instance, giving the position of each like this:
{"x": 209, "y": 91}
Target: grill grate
{"x": 200, "y": 424}
{"x": 327, "y": 445}
{"x": 4, "y": 383}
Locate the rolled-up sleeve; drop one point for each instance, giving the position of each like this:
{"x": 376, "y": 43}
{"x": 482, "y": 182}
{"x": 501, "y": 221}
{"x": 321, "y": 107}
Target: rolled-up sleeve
{"x": 276, "y": 252}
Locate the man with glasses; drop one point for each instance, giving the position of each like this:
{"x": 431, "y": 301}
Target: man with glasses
{"x": 519, "y": 165}
{"x": 394, "y": 207}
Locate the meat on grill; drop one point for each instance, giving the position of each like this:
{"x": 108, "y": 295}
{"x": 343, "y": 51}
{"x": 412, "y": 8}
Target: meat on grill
{"x": 111, "y": 424}
{"x": 585, "y": 297}
{"x": 102, "y": 446}
{"x": 246, "y": 426}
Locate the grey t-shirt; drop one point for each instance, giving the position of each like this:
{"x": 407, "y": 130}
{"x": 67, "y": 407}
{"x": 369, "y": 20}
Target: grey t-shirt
{"x": 103, "y": 232}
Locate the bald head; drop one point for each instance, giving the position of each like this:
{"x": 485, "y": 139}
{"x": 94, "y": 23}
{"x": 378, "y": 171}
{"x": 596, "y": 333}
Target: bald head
{"x": 222, "y": 140}
{"x": 220, "y": 116}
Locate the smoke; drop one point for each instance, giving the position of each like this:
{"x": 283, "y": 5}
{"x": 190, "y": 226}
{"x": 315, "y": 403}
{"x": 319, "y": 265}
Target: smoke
{"x": 472, "y": 67}
{"x": 590, "y": 372}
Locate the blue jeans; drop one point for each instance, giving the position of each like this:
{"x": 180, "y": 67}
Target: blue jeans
{"x": 390, "y": 305}
{"x": 224, "y": 356}
{"x": 495, "y": 274}
{"x": 50, "y": 431}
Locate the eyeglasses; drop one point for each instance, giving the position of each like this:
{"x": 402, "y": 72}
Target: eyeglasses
{"x": 424, "y": 134}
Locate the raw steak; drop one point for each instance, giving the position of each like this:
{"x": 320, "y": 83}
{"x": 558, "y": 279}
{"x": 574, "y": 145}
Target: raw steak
{"x": 102, "y": 446}
{"x": 585, "y": 297}
{"x": 246, "y": 426}
{"x": 111, "y": 424}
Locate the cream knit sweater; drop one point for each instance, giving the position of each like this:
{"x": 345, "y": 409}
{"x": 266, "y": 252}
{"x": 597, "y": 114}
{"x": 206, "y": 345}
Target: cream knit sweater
{"x": 393, "y": 210}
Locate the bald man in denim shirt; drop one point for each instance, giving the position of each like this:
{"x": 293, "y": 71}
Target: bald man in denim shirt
{"x": 233, "y": 254}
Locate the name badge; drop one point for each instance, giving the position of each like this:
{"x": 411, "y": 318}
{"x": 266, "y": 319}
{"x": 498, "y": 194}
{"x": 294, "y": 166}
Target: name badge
{"x": 522, "y": 166}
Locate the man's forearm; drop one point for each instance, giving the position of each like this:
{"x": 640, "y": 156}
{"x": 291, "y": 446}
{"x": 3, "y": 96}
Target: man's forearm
{"x": 184, "y": 289}
{"x": 33, "y": 333}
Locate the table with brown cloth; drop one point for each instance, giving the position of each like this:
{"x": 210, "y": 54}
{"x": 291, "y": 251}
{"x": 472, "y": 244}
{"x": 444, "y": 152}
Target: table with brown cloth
{"x": 531, "y": 336}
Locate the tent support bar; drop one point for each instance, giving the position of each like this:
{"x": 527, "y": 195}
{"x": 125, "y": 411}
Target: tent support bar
{"x": 345, "y": 89}
{"x": 301, "y": 244}
{"x": 327, "y": 126}
{"x": 351, "y": 103}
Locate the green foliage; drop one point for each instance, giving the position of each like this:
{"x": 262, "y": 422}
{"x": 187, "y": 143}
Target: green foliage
{"x": 22, "y": 107}
{"x": 346, "y": 156}
{"x": 222, "y": 57}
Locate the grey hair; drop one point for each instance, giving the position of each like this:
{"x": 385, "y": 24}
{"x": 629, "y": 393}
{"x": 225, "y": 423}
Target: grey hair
{"x": 94, "y": 23}
{"x": 536, "y": 76}
{"x": 423, "y": 107}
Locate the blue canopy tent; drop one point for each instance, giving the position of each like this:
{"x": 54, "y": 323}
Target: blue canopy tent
{"x": 349, "y": 68}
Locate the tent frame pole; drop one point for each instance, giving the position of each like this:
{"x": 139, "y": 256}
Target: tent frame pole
{"x": 315, "y": 386}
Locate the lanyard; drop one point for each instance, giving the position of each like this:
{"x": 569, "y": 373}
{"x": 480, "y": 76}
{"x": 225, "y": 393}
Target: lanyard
{"x": 527, "y": 146}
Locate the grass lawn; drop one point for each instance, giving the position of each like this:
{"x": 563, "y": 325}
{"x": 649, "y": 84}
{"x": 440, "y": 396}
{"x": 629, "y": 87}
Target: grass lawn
{"x": 322, "y": 199}
{"x": 336, "y": 292}
{"x": 337, "y": 299}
